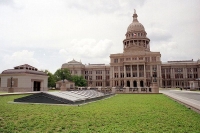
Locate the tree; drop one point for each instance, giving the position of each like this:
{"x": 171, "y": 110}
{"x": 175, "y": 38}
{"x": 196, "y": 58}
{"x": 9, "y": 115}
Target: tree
{"x": 51, "y": 79}
{"x": 61, "y": 74}
{"x": 79, "y": 80}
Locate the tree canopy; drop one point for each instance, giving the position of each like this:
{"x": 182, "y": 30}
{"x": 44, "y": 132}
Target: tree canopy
{"x": 61, "y": 74}
{"x": 79, "y": 80}
{"x": 51, "y": 79}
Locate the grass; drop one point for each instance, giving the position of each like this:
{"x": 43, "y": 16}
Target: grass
{"x": 122, "y": 113}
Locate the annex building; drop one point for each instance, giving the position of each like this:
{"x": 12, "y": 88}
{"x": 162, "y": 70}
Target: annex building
{"x": 137, "y": 66}
{"x": 23, "y": 78}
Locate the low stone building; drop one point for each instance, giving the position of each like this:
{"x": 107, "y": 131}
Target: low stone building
{"x": 65, "y": 85}
{"x": 23, "y": 78}
{"x": 194, "y": 85}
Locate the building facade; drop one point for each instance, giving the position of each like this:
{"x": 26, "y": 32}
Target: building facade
{"x": 137, "y": 66}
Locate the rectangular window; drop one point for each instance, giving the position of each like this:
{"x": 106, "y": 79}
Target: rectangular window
{"x": 134, "y": 68}
{"x": 153, "y": 59}
{"x": 141, "y": 74}
{"x": 168, "y": 76}
{"x": 134, "y": 74}
{"x": 121, "y": 68}
{"x": 90, "y": 72}
{"x": 128, "y": 59}
{"x": 107, "y": 83}
{"x": 122, "y": 59}
{"x": 121, "y": 75}
{"x": 98, "y": 72}
{"x": 116, "y": 75}
{"x": 134, "y": 58}
{"x": 115, "y": 68}
{"x": 107, "y": 77}
{"x": 115, "y": 60}
{"x": 107, "y": 72}
{"x": 128, "y": 74}
{"x": 128, "y": 68}
{"x": 147, "y": 67}
{"x": 154, "y": 67}
{"x": 147, "y": 59}
{"x": 148, "y": 74}
{"x": 140, "y": 58}
{"x": 141, "y": 67}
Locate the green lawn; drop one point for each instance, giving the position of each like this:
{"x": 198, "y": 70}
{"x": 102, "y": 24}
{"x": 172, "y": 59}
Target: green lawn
{"x": 122, "y": 113}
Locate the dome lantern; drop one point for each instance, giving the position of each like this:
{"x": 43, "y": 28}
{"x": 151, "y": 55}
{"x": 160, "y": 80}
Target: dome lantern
{"x": 135, "y": 25}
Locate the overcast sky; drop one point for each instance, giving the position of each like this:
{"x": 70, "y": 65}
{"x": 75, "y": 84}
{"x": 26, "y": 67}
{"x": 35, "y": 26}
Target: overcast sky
{"x": 48, "y": 33}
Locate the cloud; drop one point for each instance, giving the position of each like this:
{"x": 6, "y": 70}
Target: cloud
{"x": 20, "y": 58}
{"x": 92, "y": 30}
{"x": 62, "y": 52}
{"x": 103, "y": 6}
{"x": 6, "y": 2}
{"x": 88, "y": 50}
{"x": 91, "y": 48}
{"x": 157, "y": 35}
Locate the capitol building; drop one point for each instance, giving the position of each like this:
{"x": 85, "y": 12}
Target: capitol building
{"x": 138, "y": 66}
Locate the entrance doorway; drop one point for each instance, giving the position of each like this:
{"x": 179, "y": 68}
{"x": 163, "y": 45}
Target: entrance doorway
{"x": 141, "y": 83}
{"x": 128, "y": 83}
{"x": 134, "y": 83}
{"x": 36, "y": 86}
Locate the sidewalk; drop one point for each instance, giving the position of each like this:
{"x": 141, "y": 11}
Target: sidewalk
{"x": 188, "y": 102}
{"x": 19, "y": 93}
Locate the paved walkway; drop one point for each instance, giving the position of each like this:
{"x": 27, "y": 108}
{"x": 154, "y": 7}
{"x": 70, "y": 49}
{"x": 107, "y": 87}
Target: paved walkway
{"x": 189, "y": 98}
{"x": 19, "y": 93}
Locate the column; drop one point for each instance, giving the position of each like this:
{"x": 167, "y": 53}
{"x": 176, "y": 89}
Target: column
{"x": 125, "y": 75}
{"x": 184, "y": 76}
{"x": 119, "y": 83}
{"x": 113, "y": 72}
{"x": 158, "y": 75}
{"x": 151, "y": 71}
{"x": 124, "y": 71}
{"x": 118, "y": 72}
{"x": 172, "y": 78}
{"x": 131, "y": 83}
{"x": 137, "y": 71}
{"x": 112, "y": 76}
{"x": 145, "y": 79}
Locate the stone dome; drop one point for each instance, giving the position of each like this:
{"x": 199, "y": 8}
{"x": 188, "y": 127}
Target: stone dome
{"x": 135, "y": 25}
